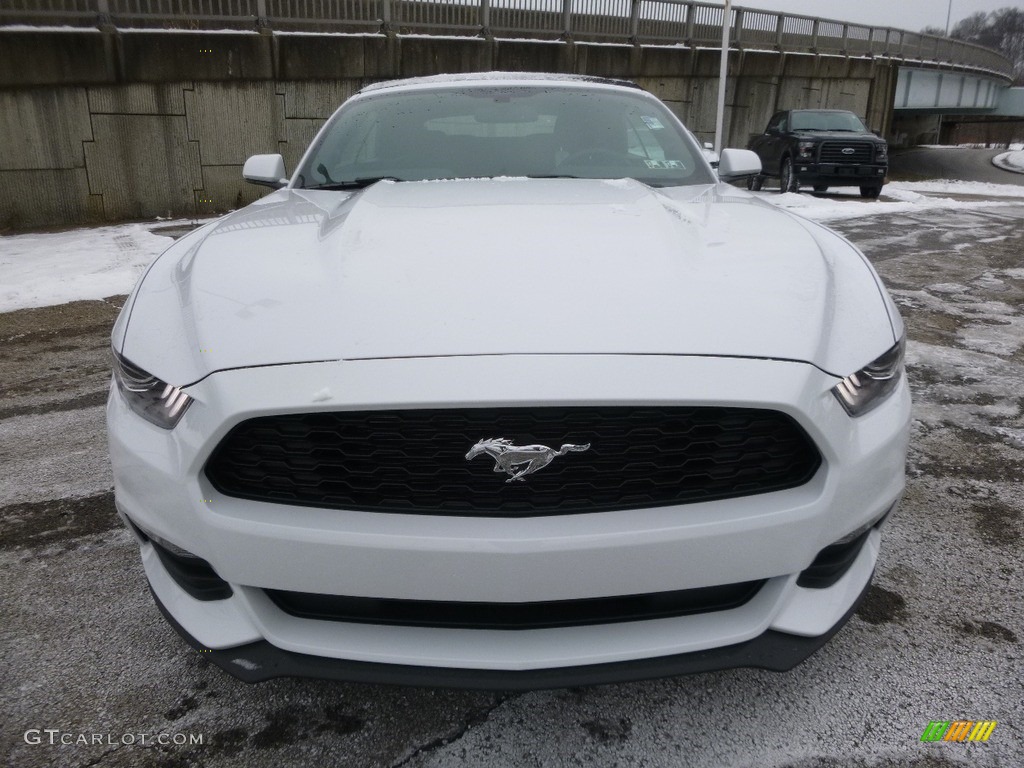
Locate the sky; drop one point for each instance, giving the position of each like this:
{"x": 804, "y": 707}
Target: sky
{"x": 912, "y": 15}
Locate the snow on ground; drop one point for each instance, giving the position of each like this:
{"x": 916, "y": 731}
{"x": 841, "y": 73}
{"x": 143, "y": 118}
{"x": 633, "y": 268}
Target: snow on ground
{"x": 949, "y": 187}
{"x": 1012, "y": 145}
{"x": 43, "y": 269}
{"x": 1011, "y": 161}
{"x": 897, "y": 197}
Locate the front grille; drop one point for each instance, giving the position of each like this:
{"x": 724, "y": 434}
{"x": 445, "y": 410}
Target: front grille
{"x": 415, "y": 461}
{"x": 832, "y": 152}
{"x": 505, "y": 616}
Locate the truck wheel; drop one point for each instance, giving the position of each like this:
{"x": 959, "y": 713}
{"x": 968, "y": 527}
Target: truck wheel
{"x": 754, "y": 183}
{"x": 787, "y": 177}
{"x": 870, "y": 193}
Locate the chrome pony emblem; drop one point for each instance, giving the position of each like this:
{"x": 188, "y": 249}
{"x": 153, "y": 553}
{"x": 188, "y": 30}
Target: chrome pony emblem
{"x": 508, "y": 458}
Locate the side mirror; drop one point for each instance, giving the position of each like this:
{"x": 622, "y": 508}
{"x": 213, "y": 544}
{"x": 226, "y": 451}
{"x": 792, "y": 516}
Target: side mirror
{"x": 708, "y": 150}
{"x": 265, "y": 170}
{"x": 738, "y": 163}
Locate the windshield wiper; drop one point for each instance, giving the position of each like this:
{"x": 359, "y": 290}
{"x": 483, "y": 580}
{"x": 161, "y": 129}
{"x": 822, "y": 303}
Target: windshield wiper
{"x": 360, "y": 183}
{"x": 552, "y": 176}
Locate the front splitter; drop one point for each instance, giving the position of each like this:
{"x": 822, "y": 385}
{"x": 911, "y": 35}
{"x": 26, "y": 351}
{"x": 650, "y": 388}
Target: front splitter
{"x": 260, "y": 661}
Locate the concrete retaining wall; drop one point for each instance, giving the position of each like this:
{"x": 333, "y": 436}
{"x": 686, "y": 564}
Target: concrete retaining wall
{"x": 102, "y": 126}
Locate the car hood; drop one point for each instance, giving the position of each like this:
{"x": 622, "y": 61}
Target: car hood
{"x": 504, "y": 267}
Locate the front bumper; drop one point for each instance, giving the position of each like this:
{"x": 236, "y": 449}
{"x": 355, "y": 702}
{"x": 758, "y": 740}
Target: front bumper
{"x": 260, "y": 661}
{"x": 256, "y": 546}
{"x": 840, "y": 175}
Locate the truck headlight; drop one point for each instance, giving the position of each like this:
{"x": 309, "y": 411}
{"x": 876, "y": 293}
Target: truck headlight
{"x": 154, "y": 400}
{"x": 861, "y": 391}
{"x": 881, "y": 152}
{"x": 806, "y": 149}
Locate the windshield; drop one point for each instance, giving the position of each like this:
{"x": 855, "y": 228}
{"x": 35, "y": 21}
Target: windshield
{"x": 826, "y": 121}
{"x": 489, "y": 131}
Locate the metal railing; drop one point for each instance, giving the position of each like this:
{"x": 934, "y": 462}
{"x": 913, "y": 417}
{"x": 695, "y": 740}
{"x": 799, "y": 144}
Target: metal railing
{"x": 657, "y": 22}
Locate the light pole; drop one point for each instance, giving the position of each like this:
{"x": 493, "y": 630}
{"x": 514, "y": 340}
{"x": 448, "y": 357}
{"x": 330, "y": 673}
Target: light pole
{"x": 949, "y": 15}
{"x": 723, "y": 71}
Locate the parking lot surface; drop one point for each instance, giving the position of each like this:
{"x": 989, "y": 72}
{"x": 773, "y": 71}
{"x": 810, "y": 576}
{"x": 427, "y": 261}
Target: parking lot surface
{"x": 86, "y": 655}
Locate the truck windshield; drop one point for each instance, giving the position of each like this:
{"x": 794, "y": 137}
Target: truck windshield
{"x": 826, "y": 121}
{"x": 510, "y": 130}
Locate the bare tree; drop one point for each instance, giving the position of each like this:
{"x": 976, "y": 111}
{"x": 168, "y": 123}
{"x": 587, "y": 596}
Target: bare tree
{"x": 1010, "y": 24}
{"x": 1002, "y": 30}
{"x": 973, "y": 29}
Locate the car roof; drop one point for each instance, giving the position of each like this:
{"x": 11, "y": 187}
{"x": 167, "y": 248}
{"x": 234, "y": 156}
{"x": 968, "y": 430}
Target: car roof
{"x": 499, "y": 77}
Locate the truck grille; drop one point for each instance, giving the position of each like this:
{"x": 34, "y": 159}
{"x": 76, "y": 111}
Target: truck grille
{"x": 832, "y": 152}
{"x": 414, "y": 461}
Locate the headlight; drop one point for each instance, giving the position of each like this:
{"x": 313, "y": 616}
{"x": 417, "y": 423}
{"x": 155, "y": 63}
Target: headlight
{"x": 861, "y": 391}
{"x": 806, "y": 149}
{"x": 156, "y": 401}
{"x": 882, "y": 152}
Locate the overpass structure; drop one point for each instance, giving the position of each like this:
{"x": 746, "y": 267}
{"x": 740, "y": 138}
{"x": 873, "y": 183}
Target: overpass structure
{"x": 653, "y": 22}
{"x": 114, "y": 109}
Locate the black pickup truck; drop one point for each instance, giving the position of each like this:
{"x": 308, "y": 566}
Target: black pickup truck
{"x": 820, "y": 148}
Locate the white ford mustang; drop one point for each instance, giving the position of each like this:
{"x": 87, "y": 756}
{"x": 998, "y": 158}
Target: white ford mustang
{"x": 503, "y": 388}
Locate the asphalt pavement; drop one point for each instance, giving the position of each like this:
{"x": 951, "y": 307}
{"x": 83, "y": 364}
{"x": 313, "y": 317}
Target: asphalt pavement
{"x": 91, "y": 674}
{"x": 966, "y": 164}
